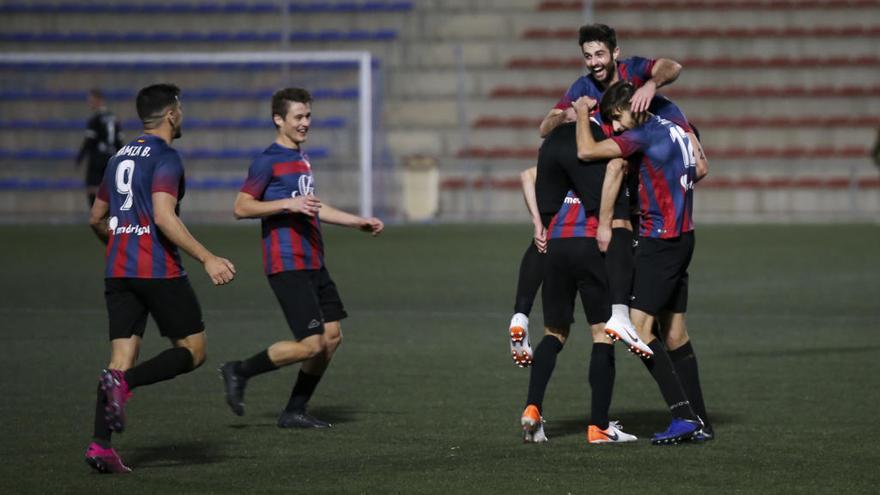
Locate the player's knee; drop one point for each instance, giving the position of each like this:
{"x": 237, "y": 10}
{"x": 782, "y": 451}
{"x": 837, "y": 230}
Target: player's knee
{"x": 560, "y": 334}
{"x": 332, "y": 341}
{"x": 674, "y": 340}
{"x": 314, "y": 345}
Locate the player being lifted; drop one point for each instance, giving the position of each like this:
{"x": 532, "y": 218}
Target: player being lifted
{"x": 598, "y": 45}
{"x": 668, "y": 170}
{"x": 567, "y": 197}
{"x": 141, "y": 193}
{"x": 280, "y": 190}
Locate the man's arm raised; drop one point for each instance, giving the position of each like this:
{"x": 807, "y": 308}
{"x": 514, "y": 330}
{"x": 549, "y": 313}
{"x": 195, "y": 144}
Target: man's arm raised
{"x": 664, "y": 72}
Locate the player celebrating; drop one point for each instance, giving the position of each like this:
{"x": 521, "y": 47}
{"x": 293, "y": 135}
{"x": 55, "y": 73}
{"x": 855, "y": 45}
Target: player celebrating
{"x": 598, "y": 44}
{"x": 280, "y": 190}
{"x": 574, "y": 264}
{"x": 668, "y": 170}
{"x": 141, "y": 191}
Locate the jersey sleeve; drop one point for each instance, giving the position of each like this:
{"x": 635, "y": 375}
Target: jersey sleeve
{"x": 631, "y": 142}
{"x": 259, "y": 175}
{"x": 640, "y": 69}
{"x": 168, "y": 174}
{"x": 575, "y": 91}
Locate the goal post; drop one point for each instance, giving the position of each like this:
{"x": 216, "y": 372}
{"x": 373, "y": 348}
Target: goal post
{"x": 17, "y": 66}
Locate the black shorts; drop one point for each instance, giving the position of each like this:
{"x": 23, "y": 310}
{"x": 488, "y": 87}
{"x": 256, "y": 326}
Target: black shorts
{"x": 661, "y": 277}
{"x": 308, "y": 298}
{"x": 171, "y": 301}
{"x": 574, "y": 265}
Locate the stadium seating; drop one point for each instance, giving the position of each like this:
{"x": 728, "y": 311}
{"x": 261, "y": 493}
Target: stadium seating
{"x": 204, "y": 7}
{"x": 191, "y": 123}
{"x": 196, "y": 36}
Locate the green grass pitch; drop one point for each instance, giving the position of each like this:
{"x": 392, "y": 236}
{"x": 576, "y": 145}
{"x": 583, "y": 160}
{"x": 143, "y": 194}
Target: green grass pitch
{"x": 423, "y": 395}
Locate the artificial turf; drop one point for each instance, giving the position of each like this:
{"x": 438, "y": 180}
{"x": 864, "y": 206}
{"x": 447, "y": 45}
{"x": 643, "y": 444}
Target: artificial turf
{"x": 423, "y": 394}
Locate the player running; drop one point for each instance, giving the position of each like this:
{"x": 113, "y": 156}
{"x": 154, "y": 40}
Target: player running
{"x": 141, "y": 193}
{"x": 567, "y": 197}
{"x": 280, "y": 190}
{"x": 668, "y": 171}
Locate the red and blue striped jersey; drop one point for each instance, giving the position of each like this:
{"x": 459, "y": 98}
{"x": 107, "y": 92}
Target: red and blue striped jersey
{"x": 636, "y": 70}
{"x": 137, "y": 248}
{"x": 291, "y": 241}
{"x": 666, "y": 176}
{"x": 572, "y": 220}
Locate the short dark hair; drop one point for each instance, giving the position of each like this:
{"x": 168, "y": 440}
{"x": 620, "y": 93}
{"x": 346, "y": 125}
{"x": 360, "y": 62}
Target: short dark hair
{"x": 598, "y": 32}
{"x": 96, "y": 93}
{"x": 283, "y": 97}
{"x": 153, "y": 100}
{"x": 616, "y": 97}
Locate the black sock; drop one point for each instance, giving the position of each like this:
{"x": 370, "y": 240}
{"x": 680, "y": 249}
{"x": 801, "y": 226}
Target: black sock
{"x": 685, "y": 362}
{"x": 102, "y": 433}
{"x": 542, "y": 369}
{"x": 255, "y": 365}
{"x": 601, "y": 383}
{"x": 619, "y": 265}
{"x": 165, "y": 366}
{"x": 302, "y": 391}
{"x": 661, "y": 369}
{"x": 531, "y": 275}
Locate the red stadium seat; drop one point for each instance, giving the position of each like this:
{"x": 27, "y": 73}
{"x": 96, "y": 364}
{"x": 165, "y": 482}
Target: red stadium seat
{"x": 702, "y": 33}
{"x": 634, "y": 5}
{"x": 712, "y": 63}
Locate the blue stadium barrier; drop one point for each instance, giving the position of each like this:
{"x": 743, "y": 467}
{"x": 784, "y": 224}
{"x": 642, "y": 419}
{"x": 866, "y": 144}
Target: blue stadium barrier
{"x": 141, "y": 66}
{"x": 198, "y": 94}
{"x": 233, "y": 7}
{"x": 195, "y": 36}
{"x": 186, "y": 153}
{"x": 189, "y": 123}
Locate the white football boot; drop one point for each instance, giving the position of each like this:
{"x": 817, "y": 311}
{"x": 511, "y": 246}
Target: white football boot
{"x": 619, "y": 327}
{"x": 520, "y": 348}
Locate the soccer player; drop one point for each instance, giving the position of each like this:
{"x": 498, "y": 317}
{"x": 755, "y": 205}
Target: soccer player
{"x": 567, "y": 195}
{"x": 280, "y": 190}
{"x": 141, "y": 193}
{"x": 598, "y": 44}
{"x": 103, "y": 138}
{"x": 668, "y": 170}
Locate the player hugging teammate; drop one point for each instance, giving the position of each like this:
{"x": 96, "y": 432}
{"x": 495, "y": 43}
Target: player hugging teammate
{"x": 667, "y": 178}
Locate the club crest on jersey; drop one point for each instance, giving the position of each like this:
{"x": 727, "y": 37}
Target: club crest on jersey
{"x": 305, "y": 185}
